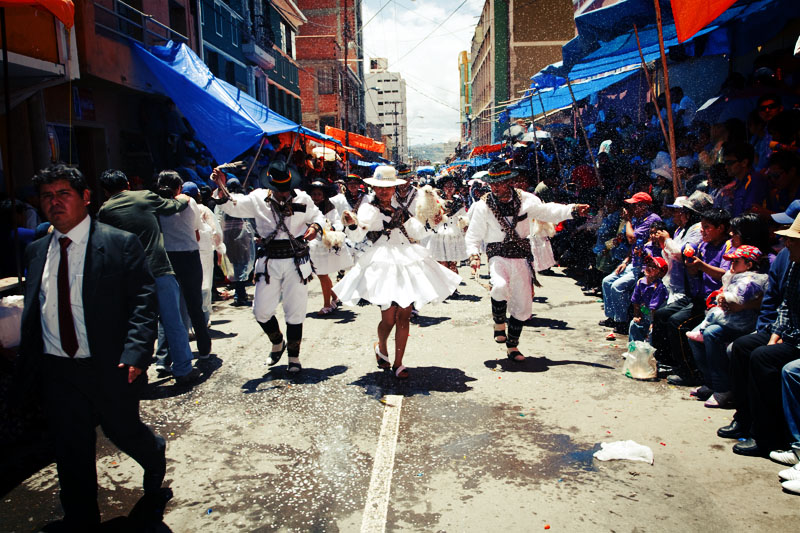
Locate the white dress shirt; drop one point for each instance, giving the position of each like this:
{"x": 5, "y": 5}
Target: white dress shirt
{"x": 256, "y": 205}
{"x": 48, "y": 293}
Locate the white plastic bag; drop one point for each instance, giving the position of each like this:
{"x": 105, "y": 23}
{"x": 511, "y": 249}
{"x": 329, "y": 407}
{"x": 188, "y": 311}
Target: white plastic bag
{"x": 624, "y": 449}
{"x": 10, "y": 320}
{"x": 640, "y": 362}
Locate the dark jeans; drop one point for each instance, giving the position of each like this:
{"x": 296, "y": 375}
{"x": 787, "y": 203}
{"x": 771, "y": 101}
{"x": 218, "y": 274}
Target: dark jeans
{"x": 670, "y": 324}
{"x": 189, "y": 273}
{"x": 76, "y": 398}
{"x": 756, "y": 370}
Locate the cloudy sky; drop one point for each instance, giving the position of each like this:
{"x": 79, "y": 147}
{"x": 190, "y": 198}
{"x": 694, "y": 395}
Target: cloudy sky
{"x": 429, "y": 67}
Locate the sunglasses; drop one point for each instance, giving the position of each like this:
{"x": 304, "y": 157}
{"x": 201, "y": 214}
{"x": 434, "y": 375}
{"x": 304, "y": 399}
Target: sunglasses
{"x": 730, "y": 162}
{"x": 767, "y": 107}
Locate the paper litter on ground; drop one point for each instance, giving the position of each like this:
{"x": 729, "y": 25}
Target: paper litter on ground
{"x": 624, "y": 449}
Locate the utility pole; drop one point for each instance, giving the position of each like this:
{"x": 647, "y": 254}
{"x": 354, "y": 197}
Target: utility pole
{"x": 345, "y": 91}
{"x": 396, "y": 146}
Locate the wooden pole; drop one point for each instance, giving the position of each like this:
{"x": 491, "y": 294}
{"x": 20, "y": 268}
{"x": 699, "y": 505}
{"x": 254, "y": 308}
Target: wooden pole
{"x": 555, "y": 148}
{"x": 583, "y": 130}
{"x": 675, "y": 179}
{"x": 651, "y": 87}
{"x": 535, "y": 143}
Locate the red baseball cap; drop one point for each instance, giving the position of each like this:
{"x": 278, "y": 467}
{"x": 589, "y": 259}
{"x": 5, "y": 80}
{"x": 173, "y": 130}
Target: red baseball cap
{"x": 748, "y": 252}
{"x": 659, "y": 262}
{"x": 640, "y": 197}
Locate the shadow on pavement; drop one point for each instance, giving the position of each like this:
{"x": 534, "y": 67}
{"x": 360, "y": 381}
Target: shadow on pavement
{"x": 309, "y": 376}
{"x": 167, "y": 388}
{"x": 465, "y": 297}
{"x": 341, "y": 316}
{"x": 217, "y": 334}
{"x": 540, "y": 299}
{"x": 535, "y": 364}
{"x": 218, "y": 322}
{"x": 422, "y": 381}
{"x": 427, "y": 321}
{"x": 549, "y": 323}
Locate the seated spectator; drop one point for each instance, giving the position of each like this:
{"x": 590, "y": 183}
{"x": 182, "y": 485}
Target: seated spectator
{"x": 741, "y": 285}
{"x": 618, "y": 285}
{"x": 749, "y": 189}
{"x": 783, "y": 174}
{"x": 757, "y": 359}
{"x": 705, "y": 267}
{"x": 649, "y": 295}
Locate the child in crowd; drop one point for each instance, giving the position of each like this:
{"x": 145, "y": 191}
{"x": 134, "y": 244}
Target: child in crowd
{"x": 649, "y": 294}
{"x": 741, "y": 284}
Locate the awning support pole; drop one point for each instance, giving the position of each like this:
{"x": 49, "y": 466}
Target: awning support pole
{"x": 676, "y": 183}
{"x": 253, "y": 164}
{"x": 555, "y": 148}
{"x": 651, "y": 87}
{"x": 583, "y": 130}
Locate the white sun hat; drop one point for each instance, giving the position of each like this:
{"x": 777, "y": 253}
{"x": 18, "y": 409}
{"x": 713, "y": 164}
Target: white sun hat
{"x": 384, "y": 176}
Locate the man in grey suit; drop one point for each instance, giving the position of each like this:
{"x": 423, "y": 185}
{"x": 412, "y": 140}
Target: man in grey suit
{"x": 88, "y": 328}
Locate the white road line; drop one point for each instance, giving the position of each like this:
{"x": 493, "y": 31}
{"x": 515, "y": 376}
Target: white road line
{"x": 380, "y": 484}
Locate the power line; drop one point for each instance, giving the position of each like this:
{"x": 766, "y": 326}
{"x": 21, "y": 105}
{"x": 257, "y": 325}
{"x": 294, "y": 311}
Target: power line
{"x": 431, "y": 33}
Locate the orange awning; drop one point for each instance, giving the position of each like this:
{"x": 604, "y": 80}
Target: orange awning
{"x": 63, "y": 10}
{"x": 486, "y": 149}
{"x": 356, "y": 140}
{"x": 692, "y": 16}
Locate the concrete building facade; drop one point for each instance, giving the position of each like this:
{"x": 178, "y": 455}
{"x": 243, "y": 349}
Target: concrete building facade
{"x": 513, "y": 40}
{"x": 465, "y": 95}
{"x": 386, "y": 107}
{"x": 330, "y": 55}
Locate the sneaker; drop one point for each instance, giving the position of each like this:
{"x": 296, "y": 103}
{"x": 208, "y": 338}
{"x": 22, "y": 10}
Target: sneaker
{"x": 702, "y": 393}
{"x": 681, "y": 381}
{"x": 607, "y": 323}
{"x": 695, "y": 336}
{"x": 784, "y": 457}
{"x": 163, "y": 371}
{"x": 621, "y": 328}
{"x": 792, "y": 486}
{"x": 788, "y": 474}
{"x": 191, "y": 378}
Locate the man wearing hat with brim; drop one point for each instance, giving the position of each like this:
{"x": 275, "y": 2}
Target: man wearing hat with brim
{"x": 405, "y": 194}
{"x": 501, "y": 221}
{"x": 686, "y": 215}
{"x": 350, "y": 200}
{"x": 287, "y": 219}
{"x": 618, "y": 286}
{"x": 758, "y": 359}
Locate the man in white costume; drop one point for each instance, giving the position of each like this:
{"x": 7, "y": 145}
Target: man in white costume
{"x": 501, "y": 221}
{"x": 286, "y": 218}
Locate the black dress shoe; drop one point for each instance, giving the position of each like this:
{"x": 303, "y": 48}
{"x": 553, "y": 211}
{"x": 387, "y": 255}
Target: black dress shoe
{"x": 750, "y": 448}
{"x": 734, "y": 430}
{"x": 665, "y": 370}
{"x": 607, "y": 323}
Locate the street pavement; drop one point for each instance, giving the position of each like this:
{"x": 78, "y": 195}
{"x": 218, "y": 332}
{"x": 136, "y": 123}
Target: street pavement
{"x": 471, "y": 442}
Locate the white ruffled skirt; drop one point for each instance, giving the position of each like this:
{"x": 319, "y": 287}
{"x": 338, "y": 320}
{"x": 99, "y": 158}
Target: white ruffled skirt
{"x": 327, "y": 260}
{"x": 404, "y": 274}
{"x": 447, "y": 245}
{"x": 542, "y": 253}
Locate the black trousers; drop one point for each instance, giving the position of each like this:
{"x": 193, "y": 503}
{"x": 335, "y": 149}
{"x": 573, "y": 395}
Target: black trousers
{"x": 756, "y": 370}
{"x": 670, "y": 324}
{"x": 77, "y": 399}
{"x": 189, "y": 273}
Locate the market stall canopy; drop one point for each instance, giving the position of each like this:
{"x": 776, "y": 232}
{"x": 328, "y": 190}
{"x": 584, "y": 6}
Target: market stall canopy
{"x": 63, "y": 10}
{"x": 355, "y": 140}
{"x": 486, "y": 149}
{"x": 692, "y": 16}
{"x": 228, "y": 121}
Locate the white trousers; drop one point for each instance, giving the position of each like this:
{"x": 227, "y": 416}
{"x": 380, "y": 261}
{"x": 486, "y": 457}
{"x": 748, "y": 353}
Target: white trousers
{"x": 511, "y": 282}
{"x": 207, "y": 262}
{"x": 284, "y": 286}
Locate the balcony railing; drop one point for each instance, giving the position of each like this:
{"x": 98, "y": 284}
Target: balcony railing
{"x": 126, "y": 21}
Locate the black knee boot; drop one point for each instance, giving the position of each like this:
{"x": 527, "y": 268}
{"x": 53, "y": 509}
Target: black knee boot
{"x": 273, "y": 331}
{"x": 499, "y": 311}
{"x": 294, "y": 335}
{"x": 514, "y": 332}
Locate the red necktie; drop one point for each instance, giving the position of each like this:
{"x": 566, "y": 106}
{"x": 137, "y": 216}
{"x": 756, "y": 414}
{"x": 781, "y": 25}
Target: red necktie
{"x": 66, "y": 325}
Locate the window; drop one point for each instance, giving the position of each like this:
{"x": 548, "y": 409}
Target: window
{"x": 325, "y": 81}
{"x": 234, "y": 32}
{"x": 261, "y": 90}
{"x": 212, "y": 60}
{"x": 283, "y": 36}
{"x": 218, "y": 19}
{"x": 230, "y": 72}
{"x": 294, "y": 46}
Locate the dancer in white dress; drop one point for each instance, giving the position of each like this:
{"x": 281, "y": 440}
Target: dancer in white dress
{"x": 393, "y": 274}
{"x": 328, "y": 253}
{"x": 447, "y": 244}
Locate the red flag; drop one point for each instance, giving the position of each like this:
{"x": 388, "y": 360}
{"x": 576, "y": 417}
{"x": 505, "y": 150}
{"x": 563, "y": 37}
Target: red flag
{"x": 63, "y": 10}
{"x": 692, "y": 16}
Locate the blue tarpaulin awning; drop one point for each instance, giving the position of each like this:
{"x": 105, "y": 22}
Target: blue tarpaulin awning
{"x": 227, "y": 120}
